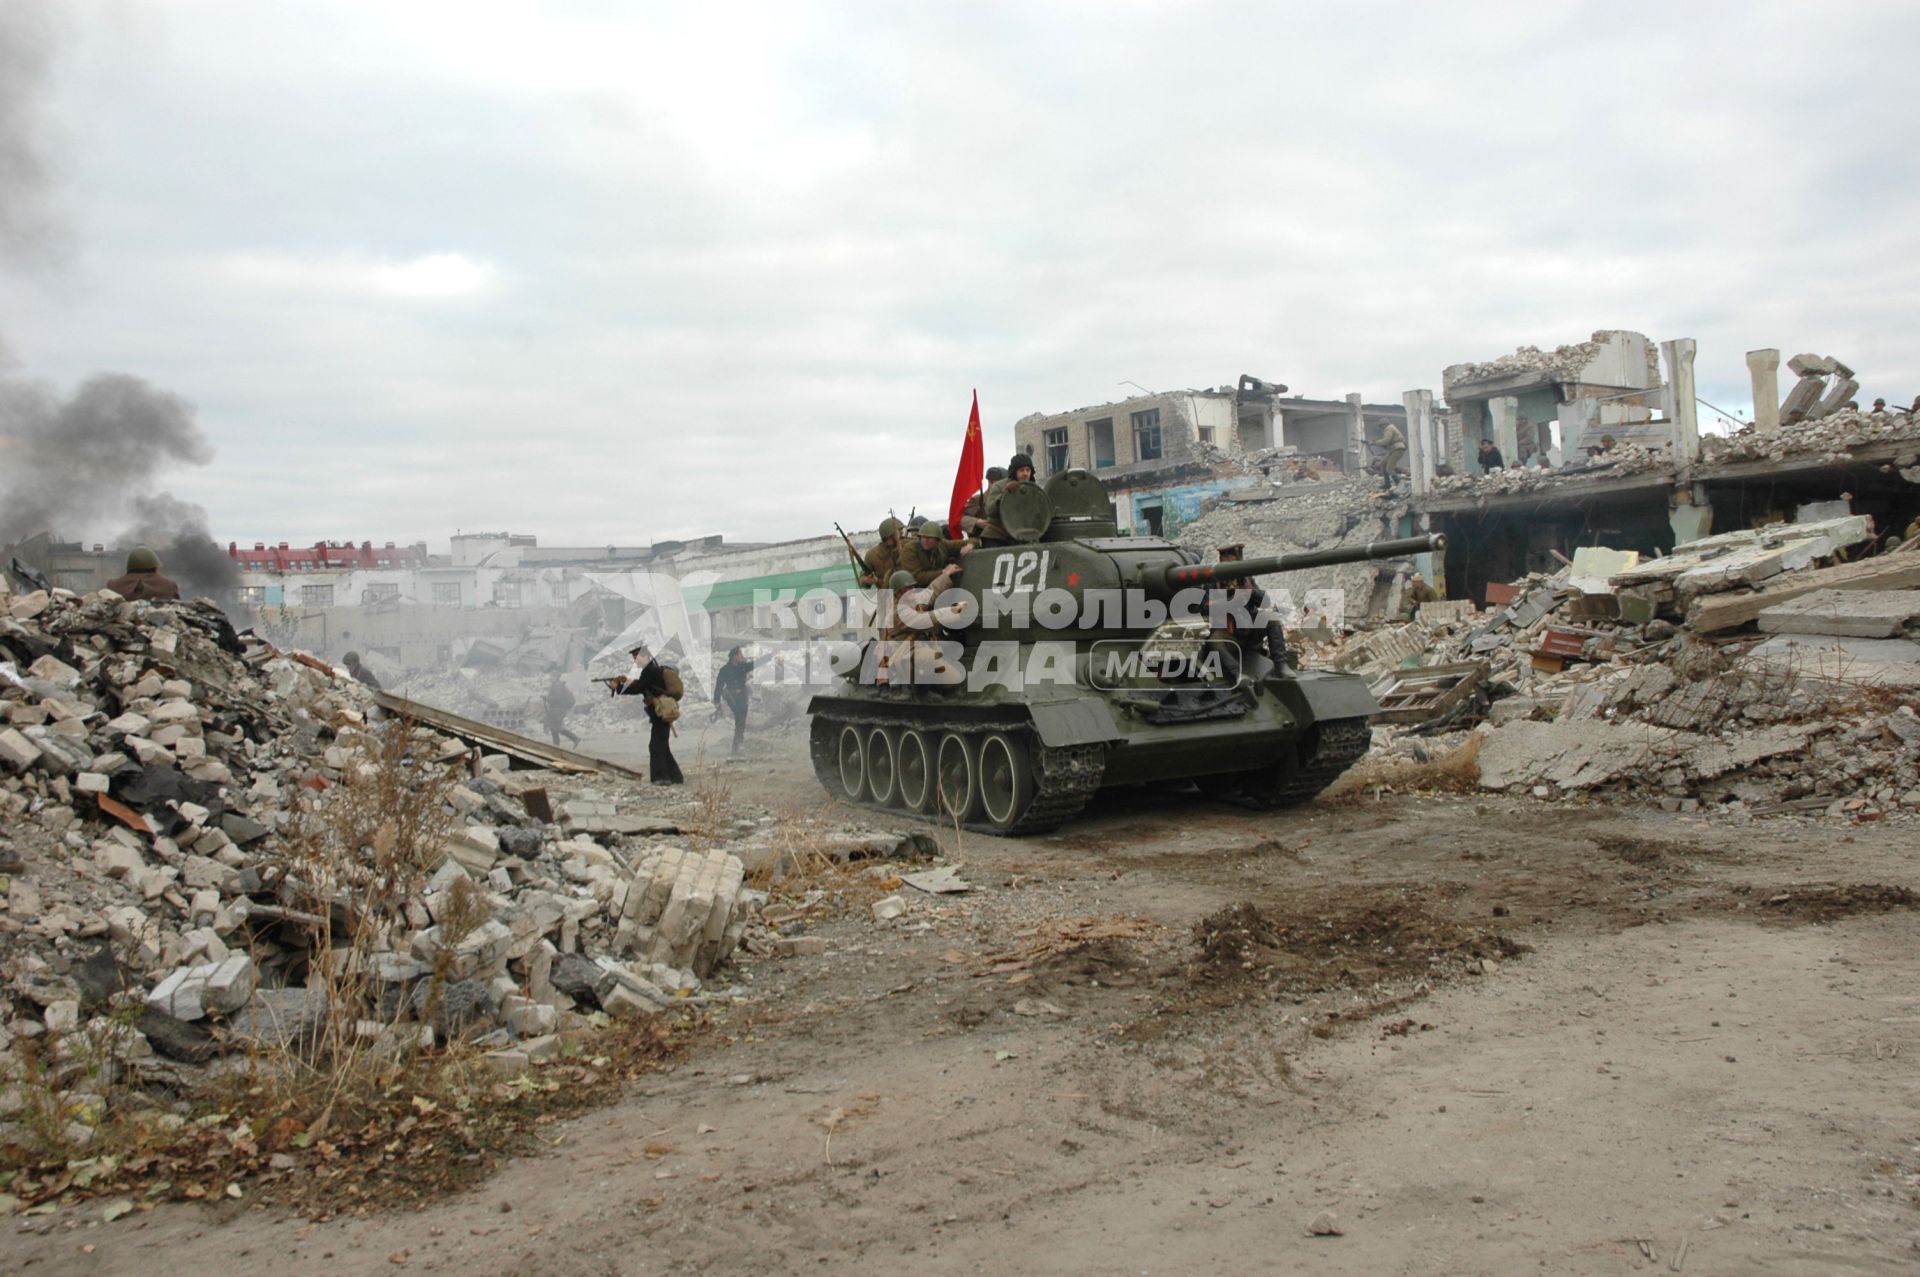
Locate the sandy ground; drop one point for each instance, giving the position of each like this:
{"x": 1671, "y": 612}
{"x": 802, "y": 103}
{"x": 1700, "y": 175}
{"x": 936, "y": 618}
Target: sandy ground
{"x": 1487, "y": 1036}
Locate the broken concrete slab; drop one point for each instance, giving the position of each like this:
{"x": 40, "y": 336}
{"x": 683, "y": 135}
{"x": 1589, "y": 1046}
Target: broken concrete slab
{"x": 1887, "y": 572}
{"x": 1845, "y": 613}
{"x": 1576, "y": 755}
{"x": 1821, "y": 660}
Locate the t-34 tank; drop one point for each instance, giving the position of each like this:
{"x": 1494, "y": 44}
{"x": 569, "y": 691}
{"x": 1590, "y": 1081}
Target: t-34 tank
{"x": 1062, "y": 665}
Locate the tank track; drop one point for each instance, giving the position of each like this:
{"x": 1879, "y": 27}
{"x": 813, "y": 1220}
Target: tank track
{"x": 1065, "y": 777}
{"x": 1341, "y": 743}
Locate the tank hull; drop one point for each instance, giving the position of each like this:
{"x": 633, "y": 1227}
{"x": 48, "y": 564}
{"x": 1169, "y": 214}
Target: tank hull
{"x": 1019, "y": 765}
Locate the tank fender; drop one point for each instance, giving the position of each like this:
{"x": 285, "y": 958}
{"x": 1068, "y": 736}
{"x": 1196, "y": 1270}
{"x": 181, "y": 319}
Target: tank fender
{"x": 1080, "y": 721}
{"x": 1323, "y": 695}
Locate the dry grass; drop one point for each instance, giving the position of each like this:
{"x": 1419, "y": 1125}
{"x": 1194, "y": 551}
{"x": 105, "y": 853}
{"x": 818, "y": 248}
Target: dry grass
{"x": 365, "y": 1110}
{"x": 1457, "y": 771}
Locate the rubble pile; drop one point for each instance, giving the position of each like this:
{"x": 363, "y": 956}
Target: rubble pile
{"x": 207, "y": 847}
{"x": 1599, "y": 685}
{"x": 1831, "y": 437}
{"x": 1620, "y": 460}
{"x": 1302, "y": 516}
{"x": 1562, "y": 363}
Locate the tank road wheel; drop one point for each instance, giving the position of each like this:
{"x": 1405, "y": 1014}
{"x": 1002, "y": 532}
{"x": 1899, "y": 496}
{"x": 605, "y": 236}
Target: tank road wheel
{"x": 956, "y": 778}
{"x": 852, "y": 753}
{"x": 1006, "y": 779}
{"x": 882, "y": 778}
{"x": 913, "y": 771}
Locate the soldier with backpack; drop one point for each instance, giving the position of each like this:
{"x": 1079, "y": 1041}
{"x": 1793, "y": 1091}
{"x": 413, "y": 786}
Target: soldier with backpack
{"x": 659, "y": 688}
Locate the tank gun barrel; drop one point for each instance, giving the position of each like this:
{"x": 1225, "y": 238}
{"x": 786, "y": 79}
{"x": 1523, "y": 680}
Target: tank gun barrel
{"x": 1201, "y": 575}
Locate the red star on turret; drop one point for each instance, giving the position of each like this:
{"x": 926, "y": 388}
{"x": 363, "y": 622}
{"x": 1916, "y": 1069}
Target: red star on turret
{"x": 1073, "y": 579}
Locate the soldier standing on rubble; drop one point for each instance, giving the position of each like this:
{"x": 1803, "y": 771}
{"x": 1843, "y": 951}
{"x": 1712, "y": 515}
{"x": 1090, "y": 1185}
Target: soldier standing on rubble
{"x": 650, "y": 684}
{"x": 1395, "y": 444}
{"x": 730, "y": 689}
{"x": 555, "y": 705}
{"x": 143, "y": 579}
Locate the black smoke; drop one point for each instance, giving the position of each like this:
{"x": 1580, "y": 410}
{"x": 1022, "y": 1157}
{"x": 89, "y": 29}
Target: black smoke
{"x": 76, "y": 465}
{"x": 29, "y": 228}
{"x": 94, "y": 460}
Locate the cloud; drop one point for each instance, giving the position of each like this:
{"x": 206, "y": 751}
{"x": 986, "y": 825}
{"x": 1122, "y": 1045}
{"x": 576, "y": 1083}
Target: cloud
{"x": 433, "y": 277}
{"x": 611, "y": 273}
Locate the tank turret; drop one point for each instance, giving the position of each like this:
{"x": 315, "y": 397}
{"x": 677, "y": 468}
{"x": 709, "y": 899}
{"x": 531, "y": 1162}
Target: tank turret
{"x": 1002, "y": 711}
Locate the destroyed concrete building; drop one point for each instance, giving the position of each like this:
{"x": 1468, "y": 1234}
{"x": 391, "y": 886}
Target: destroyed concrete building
{"x": 1163, "y": 455}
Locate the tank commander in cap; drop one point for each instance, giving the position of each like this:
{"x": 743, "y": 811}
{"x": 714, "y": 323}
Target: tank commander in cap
{"x": 1019, "y": 471}
{"x": 143, "y": 579}
{"x": 882, "y": 559}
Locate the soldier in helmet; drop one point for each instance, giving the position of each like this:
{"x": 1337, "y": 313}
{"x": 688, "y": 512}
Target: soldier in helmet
{"x": 884, "y": 558}
{"x": 974, "y": 514}
{"x": 932, "y": 560}
{"x": 143, "y": 579}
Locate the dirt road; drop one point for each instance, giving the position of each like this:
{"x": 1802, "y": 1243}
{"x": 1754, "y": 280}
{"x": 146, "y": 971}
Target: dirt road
{"x": 1485, "y": 1036}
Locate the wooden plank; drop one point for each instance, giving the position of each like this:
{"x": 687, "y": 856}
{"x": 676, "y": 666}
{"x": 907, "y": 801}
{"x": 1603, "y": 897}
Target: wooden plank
{"x": 1725, "y": 611}
{"x": 523, "y": 748}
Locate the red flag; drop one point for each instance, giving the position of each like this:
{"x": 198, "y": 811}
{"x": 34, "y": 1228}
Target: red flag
{"x": 973, "y": 468}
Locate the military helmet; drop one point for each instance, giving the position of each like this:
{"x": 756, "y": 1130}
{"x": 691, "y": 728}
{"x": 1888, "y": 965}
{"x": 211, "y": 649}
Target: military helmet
{"x": 143, "y": 560}
{"x": 900, "y": 580}
{"x": 996, "y": 473}
{"x": 351, "y": 658}
{"x": 889, "y": 526}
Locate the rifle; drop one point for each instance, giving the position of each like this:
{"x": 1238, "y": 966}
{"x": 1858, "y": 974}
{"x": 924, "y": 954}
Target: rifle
{"x": 859, "y": 564}
{"x": 610, "y": 681}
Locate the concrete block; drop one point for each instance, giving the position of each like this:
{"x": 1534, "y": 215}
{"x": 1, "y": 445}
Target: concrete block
{"x": 508, "y": 1063}
{"x": 28, "y": 606}
{"x": 60, "y": 754}
{"x": 230, "y": 983}
{"x": 624, "y": 1004}
{"x": 532, "y": 1019}
{"x": 16, "y": 751}
{"x": 54, "y": 670}
{"x": 116, "y": 861}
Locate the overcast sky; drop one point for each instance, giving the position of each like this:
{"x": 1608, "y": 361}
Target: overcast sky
{"x": 607, "y": 271}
